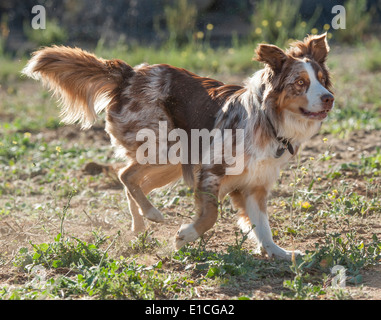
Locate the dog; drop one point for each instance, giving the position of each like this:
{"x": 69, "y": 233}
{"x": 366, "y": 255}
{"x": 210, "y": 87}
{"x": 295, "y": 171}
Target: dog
{"x": 280, "y": 107}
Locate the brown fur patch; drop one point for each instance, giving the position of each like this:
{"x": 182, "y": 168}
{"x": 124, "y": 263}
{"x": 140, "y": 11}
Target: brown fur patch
{"x": 79, "y": 78}
{"x": 291, "y": 102}
{"x": 135, "y": 106}
{"x": 238, "y": 200}
{"x": 160, "y": 176}
{"x": 271, "y": 55}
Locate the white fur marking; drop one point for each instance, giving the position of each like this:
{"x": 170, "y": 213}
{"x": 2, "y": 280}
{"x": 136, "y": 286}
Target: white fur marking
{"x": 262, "y": 231}
{"x": 186, "y": 233}
{"x": 315, "y": 91}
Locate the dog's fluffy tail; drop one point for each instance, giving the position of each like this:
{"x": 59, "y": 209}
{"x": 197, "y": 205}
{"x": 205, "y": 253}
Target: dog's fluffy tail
{"x": 84, "y": 83}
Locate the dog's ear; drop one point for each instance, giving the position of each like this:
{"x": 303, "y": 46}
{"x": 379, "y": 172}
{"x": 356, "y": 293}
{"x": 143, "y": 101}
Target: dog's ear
{"x": 319, "y": 47}
{"x": 273, "y": 56}
{"x": 315, "y": 47}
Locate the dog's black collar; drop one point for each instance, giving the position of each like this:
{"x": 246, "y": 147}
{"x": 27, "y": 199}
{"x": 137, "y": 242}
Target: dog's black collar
{"x": 285, "y": 144}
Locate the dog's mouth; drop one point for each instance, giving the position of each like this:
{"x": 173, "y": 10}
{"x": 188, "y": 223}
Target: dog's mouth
{"x": 314, "y": 115}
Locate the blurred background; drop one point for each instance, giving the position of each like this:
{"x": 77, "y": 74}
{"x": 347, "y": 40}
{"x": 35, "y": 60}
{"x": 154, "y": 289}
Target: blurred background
{"x": 92, "y": 23}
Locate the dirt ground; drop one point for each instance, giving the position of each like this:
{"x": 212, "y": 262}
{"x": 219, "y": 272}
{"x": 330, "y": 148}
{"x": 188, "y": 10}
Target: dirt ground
{"x": 17, "y": 229}
{"x": 100, "y": 206}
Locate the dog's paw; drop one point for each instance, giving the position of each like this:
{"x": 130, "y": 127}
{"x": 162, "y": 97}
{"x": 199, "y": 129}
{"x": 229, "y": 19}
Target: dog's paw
{"x": 154, "y": 215}
{"x": 288, "y": 255}
{"x": 260, "y": 251}
{"x": 186, "y": 233}
{"x": 282, "y": 254}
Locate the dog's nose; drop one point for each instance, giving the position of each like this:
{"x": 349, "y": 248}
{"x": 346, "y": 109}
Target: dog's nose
{"x": 327, "y": 100}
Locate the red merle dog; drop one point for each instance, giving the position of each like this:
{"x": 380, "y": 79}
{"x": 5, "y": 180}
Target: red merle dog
{"x": 277, "y": 109}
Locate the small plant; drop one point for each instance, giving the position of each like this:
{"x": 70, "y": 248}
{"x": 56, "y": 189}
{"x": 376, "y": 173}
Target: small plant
{"x": 241, "y": 237}
{"x": 95, "y": 275}
{"x": 14, "y": 146}
{"x": 367, "y": 165}
{"x": 235, "y": 262}
{"x": 144, "y": 242}
{"x": 347, "y": 251}
{"x": 60, "y": 253}
{"x": 300, "y": 287}
{"x": 122, "y": 279}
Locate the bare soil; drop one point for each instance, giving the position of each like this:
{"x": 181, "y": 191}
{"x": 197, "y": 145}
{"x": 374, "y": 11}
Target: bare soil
{"x": 101, "y": 206}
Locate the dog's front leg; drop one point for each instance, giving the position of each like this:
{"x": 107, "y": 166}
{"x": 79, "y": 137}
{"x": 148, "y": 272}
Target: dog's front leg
{"x": 206, "y": 195}
{"x": 257, "y": 213}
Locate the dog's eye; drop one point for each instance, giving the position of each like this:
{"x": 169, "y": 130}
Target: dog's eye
{"x": 300, "y": 82}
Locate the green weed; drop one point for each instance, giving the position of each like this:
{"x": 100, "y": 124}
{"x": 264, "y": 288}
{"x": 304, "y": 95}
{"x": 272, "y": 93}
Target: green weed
{"x": 94, "y": 273}
{"x": 60, "y": 253}
{"x": 144, "y": 242}
{"x": 235, "y": 262}
{"x": 344, "y": 120}
{"x": 348, "y": 252}
{"x": 366, "y": 166}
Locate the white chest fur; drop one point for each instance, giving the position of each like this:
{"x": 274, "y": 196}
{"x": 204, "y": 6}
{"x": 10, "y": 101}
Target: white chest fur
{"x": 257, "y": 173}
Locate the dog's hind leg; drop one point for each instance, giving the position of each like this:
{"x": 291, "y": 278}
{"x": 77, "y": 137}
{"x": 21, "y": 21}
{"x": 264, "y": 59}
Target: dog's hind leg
{"x": 207, "y": 209}
{"x": 142, "y": 180}
{"x": 131, "y": 177}
{"x": 159, "y": 176}
{"x": 137, "y": 225}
